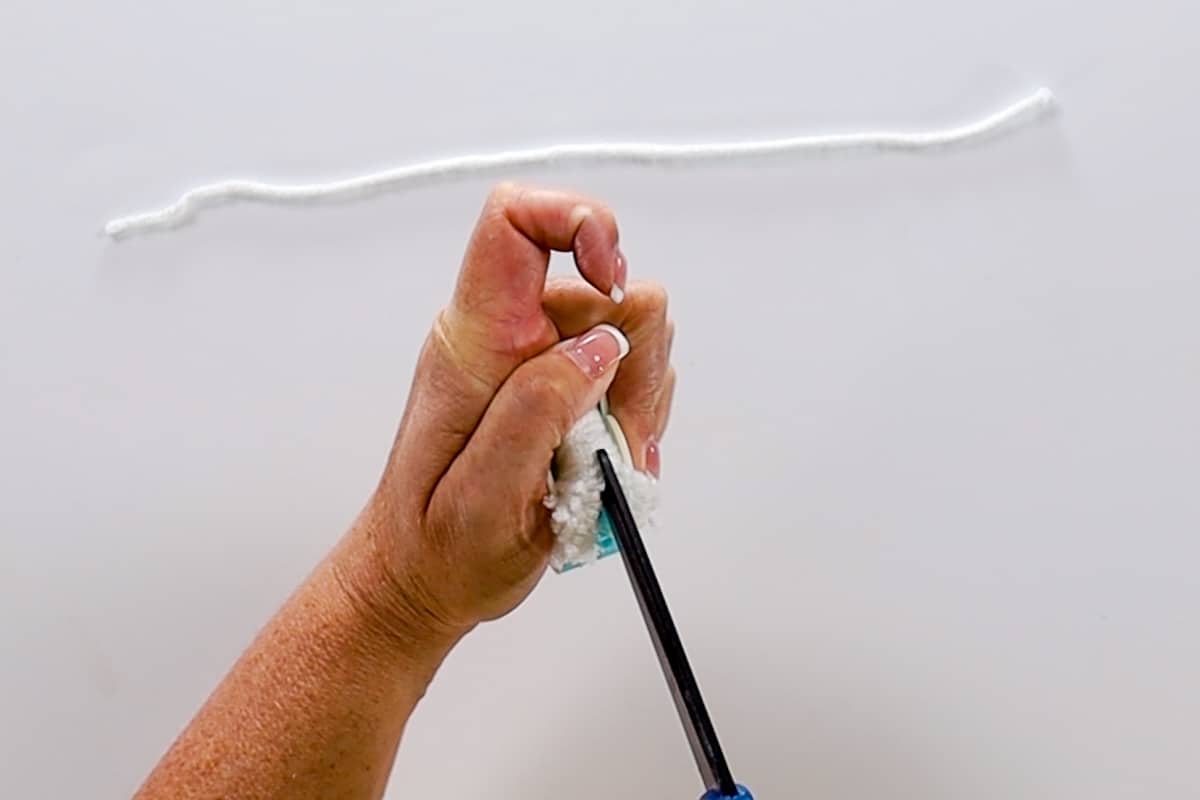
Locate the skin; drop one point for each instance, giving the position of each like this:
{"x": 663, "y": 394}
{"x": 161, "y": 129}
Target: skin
{"x": 315, "y": 708}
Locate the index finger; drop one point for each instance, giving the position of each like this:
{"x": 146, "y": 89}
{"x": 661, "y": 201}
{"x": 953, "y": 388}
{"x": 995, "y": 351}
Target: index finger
{"x": 504, "y": 269}
{"x": 495, "y": 320}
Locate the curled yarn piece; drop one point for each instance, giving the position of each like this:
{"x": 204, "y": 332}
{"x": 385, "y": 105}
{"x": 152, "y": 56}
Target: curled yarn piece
{"x": 641, "y": 154}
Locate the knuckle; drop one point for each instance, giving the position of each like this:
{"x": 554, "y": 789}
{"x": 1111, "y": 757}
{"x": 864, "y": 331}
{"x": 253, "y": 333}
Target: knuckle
{"x": 636, "y": 410}
{"x": 503, "y": 194}
{"x": 546, "y": 396}
{"x": 652, "y": 299}
{"x": 443, "y": 347}
{"x": 603, "y": 214}
{"x": 501, "y": 201}
{"x": 642, "y": 405}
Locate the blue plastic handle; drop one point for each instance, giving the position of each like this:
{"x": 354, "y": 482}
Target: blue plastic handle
{"x": 743, "y": 794}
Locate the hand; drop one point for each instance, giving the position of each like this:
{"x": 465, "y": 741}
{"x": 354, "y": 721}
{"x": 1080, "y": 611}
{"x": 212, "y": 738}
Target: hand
{"x": 456, "y": 532}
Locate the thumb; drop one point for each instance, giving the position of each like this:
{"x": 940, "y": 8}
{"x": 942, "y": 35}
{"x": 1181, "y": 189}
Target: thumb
{"x": 511, "y": 449}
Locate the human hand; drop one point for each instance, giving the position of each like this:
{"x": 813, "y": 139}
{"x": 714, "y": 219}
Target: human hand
{"x": 456, "y": 532}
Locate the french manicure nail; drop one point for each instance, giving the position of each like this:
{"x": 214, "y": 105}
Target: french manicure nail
{"x": 653, "y": 458}
{"x": 620, "y": 276}
{"x": 597, "y": 350}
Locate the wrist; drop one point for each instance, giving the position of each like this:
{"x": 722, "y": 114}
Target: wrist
{"x": 391, "y": 605}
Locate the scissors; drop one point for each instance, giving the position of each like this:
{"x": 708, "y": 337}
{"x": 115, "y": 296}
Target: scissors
{"x": 701, "y": 735}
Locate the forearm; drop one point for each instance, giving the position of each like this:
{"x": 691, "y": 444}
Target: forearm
{"x": 316, "y": 706}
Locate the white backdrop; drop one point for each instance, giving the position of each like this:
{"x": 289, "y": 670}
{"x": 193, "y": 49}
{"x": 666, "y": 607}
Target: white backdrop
{"x": 932, "y": 504}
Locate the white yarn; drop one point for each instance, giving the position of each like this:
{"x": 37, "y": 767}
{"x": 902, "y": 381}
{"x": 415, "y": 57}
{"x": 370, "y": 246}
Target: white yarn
{"x": 224, "y": 192}
{"x": 574, "y": 499}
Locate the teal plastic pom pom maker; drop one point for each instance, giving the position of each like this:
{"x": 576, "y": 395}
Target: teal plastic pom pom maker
{"x": 702, "y": 736}
{"x": 606, "y": 535}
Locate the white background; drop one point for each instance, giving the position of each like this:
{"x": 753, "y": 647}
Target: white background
{"x": 933, "y": 482}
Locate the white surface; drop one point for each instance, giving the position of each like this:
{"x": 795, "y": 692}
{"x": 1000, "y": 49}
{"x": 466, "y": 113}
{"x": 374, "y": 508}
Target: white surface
{"x": 937, "y": 416}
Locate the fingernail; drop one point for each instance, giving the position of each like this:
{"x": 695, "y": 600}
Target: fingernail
{"x": 620, "y": 275}
{"x": 597, "y": 350}
{"x": 653, "y": 458}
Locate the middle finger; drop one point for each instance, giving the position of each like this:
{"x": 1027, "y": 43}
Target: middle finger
{"x": 635, "y": 397}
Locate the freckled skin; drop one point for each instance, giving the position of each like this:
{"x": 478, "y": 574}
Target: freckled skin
{"x": 316, "y": 706}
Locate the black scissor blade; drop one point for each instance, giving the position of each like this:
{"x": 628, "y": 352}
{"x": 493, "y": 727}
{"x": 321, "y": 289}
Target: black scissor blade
{"x": 701, "y": 734}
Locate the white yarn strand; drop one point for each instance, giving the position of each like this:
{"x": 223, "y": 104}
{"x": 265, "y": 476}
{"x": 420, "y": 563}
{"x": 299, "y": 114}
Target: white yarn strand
{"x": 226, "y": 192}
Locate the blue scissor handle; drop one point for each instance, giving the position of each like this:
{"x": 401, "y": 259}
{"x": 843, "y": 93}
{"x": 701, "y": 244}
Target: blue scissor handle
{"x": 743, "y": 794}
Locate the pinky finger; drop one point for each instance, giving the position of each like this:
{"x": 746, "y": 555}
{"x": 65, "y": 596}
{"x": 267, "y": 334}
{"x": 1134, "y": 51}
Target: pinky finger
{"x": 662, "y": 416}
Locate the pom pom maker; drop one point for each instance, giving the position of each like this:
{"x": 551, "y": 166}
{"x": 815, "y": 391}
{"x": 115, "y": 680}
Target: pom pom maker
{"x": 606, "y": 541}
